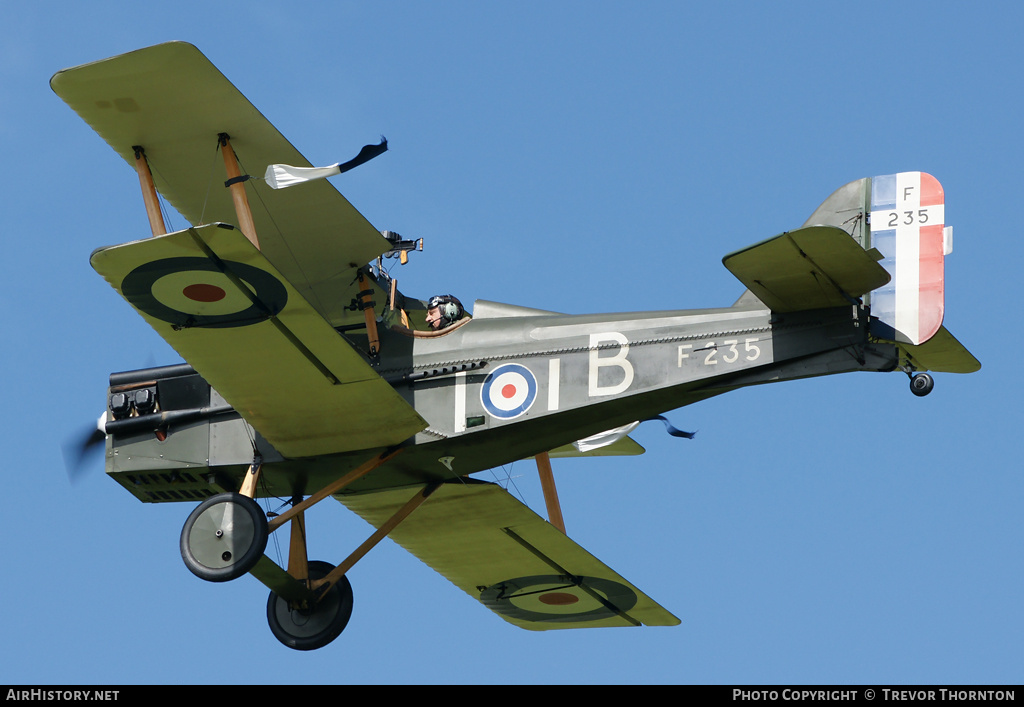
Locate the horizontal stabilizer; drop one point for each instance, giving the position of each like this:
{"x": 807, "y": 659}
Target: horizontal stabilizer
{"x": 811, "y": 268}
{"x": 941, "y": 353}
{"x": 518, "y": 565}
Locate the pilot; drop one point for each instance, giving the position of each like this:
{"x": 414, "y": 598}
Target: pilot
{"x": 443, "y": 311}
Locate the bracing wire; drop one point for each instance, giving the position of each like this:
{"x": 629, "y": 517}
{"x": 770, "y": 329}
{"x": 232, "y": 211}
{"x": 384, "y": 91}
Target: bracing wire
{"x": 508, "y": 481}
{"x": 209, "y": 185}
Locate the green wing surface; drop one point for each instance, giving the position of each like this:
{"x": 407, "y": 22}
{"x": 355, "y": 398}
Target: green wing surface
{"x": 220, "y": 304}
{"x": 811, "y": 268}
{"x": 170, "y": 100}
{"x": 941, "y": 353}
{"x": 501, "y": 553}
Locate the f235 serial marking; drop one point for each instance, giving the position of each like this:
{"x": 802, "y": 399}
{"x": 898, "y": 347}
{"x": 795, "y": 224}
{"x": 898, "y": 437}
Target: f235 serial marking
{"x": 751, "y": 351}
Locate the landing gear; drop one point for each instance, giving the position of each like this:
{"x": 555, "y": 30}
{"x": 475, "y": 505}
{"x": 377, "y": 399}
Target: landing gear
{"x": 921, "y": 384}
{"x": 310, "y": 602}
{"x": 224, "y": 537}
{"x": 306, "y": 629}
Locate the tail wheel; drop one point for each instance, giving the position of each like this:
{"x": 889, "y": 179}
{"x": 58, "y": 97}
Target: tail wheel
{"x": 224, "y": 537}
{"x": 921, "y": 384}
{"x": 315, "y": 627}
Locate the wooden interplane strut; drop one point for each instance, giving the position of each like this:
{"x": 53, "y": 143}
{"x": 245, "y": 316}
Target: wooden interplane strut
{"x": 149, "y": 197}
{"x": 366, "y": 303}
{"x": 547, "y": 484}
{"x": 237, "y": 187}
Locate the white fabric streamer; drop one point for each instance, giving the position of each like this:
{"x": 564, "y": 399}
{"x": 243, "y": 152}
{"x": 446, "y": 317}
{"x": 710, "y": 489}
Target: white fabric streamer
{"x": 603, "y": 439}
{"x": 279, "y": 176}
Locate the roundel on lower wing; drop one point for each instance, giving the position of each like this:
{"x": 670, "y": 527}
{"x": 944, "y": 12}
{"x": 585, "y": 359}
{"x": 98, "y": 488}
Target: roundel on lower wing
{"x": 508, "y": 391}
{"x": 197, "y": 292}
{"x": 556, "y": 598}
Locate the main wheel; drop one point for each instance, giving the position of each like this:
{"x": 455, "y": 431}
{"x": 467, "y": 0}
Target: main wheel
{"x": 224, "y": 537}
{"x": 921, "y": 384}
{"x": 309, "y": 629}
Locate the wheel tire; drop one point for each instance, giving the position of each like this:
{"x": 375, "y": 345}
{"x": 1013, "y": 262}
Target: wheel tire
{"x": 224, "y": 537}
{"x": 309, "y": 629}
{"x": 921, "y": 384}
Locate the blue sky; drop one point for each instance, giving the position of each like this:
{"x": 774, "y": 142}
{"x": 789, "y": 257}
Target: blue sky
{"x": 578, "y": 157}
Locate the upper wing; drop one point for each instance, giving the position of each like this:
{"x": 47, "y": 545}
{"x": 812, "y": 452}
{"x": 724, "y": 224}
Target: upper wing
{"x": 220, "y": 304}
{"x": 170, "y": 100}
{"x": 811, "y": 268}
{"x": 517, "y": 564}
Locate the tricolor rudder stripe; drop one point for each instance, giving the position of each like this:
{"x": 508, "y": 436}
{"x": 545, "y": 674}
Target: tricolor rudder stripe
{"x": 907, "y": 227}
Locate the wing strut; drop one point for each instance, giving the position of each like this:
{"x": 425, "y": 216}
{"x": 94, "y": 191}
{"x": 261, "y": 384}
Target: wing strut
{"x": 367, "y": 305}
{"x": 547, "y": 484}
{"x": 156, "y": 219}
{"x": 236, "y": 184}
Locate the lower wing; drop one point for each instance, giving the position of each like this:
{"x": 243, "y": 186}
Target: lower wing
{"x": 515, "y": 563}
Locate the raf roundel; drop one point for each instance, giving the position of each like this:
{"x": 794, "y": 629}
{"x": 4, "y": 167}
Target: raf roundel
{"x": 508, "y": 391}
{"x": 197, "y": 292}
{"x": 550, "y": 598}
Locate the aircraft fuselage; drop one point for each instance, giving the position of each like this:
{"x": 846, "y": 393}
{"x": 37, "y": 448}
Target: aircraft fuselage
{"x": 512, "y": 383}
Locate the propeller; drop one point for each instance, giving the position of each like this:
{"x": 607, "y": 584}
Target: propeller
{"x": 80, "y": 447}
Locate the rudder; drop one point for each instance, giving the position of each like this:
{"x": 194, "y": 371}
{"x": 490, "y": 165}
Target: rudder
{"x": 907, "y": 226}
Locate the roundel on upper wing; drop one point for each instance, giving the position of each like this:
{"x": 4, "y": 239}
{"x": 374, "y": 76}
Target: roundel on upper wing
{"x": 197, "y": 292}
{"x": 559, "y": 598}
{"x": 508, "y": 391}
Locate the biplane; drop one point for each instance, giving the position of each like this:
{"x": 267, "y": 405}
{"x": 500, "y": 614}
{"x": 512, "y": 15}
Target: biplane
{"x": 309, "y": 375}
